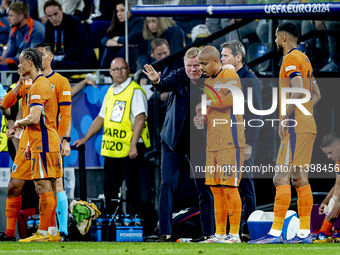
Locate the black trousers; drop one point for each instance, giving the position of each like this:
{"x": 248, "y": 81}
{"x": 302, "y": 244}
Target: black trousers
{"x": 115, "y": 171}
{"x": 247, "y": 193}
{"x": 172, "y": 162}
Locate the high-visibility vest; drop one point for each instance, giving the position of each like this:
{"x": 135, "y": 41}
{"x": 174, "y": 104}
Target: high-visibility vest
{"x": 118, "y": 132}
{"x": 3, "y": 137}
{"x": 4, "y": 128}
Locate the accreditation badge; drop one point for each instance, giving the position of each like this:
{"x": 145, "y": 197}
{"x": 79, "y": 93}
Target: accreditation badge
{"x": 118, "y": 111}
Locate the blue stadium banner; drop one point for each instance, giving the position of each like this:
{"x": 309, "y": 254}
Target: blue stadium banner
{"x": 266, "y": 11}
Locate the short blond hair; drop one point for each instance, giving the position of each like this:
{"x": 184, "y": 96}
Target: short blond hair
{"x": 20, "y": 8}
{"x": 191, "y": 53}
{"x": 164, "y": 24}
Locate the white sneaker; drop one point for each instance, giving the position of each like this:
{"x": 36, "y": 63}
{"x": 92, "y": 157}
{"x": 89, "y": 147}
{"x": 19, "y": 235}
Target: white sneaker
{"x": 230, "y": 239}
{"x": 213, "y": 239}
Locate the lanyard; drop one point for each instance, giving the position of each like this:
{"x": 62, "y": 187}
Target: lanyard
{"x": 163, "y": 73}
{"x": 56, "y": 40}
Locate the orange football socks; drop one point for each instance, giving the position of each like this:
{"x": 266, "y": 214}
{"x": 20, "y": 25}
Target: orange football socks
{"x": 234, "y": 207}
{"x": 53, "y": 218}
{"x": 47, "y": 207}
{"x": 221, "y": 210}
{"x": 13, "y": 206}
{"x": 326, "y": 227}
{"x": 305, "y": 205}
{"x": 281, "y": 205}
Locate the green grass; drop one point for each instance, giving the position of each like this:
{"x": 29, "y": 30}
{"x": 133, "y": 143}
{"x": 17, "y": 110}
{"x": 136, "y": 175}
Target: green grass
{"x": 103, "y": 248}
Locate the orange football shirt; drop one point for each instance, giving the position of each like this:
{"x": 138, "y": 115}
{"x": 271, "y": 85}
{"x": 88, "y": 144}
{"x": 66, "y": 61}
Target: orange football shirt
{"x": 223, "y": 136}
{"x": 62, "y": 100}
{"x": 43, "y": 136}
{"x": 295, "y": 63}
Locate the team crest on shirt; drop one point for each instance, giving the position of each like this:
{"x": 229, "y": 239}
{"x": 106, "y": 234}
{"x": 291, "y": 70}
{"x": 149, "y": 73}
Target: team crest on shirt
{"x": 14, "y": 168}
{"x": 217, "y": 83}
{"x": 118, "y": 111}
{"x": 27, "y": 38}
{"x": 52, "y": 87}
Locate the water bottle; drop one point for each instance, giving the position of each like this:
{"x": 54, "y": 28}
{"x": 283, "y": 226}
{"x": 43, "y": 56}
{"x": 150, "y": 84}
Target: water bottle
{"x": 137, "y": 221}
{"x": 99, "y": 226}
{"x": 96, "y": 230}
{"x": 127, "y": 222}
{"x": 2, "y": 91}
{"x": 201, "y": 118}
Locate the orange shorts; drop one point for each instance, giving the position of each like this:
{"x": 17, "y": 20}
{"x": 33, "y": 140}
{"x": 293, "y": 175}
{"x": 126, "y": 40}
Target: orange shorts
{"x": 46, "y": 165}
{"x": 60, "y": 173}
{"x": 223, "y": 167}
{"x": 21, "y": 167}
{"x": 296, "y": 149}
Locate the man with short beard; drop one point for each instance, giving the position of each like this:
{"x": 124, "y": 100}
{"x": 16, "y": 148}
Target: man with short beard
{"x": 295, "y": 152}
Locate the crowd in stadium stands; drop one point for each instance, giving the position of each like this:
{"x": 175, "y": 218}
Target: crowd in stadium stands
{"x": 100, "y": 24}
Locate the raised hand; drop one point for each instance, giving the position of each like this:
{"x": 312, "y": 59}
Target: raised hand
{"x": 152, "y": 74}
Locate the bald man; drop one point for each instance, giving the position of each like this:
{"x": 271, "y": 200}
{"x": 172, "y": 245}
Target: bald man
{"x": 225, "y": 146}
{"x": 126, "y": 135}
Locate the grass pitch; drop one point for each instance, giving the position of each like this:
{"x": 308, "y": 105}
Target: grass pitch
{"x": 103, "y": 248}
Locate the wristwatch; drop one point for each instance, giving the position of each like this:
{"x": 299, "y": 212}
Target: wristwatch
{"x": 68, "y": 139}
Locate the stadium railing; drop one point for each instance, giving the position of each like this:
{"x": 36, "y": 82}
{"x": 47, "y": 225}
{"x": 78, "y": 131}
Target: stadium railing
{"x": 7, "y": 76}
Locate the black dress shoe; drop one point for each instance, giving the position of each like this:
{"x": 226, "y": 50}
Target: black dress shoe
{"x": 245, "y": 239}
{"x": 6, "y": 238}
{"x": 64, "y": 237}
{"x": 163, "y": 239}
{"x": 201, "y": 239}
